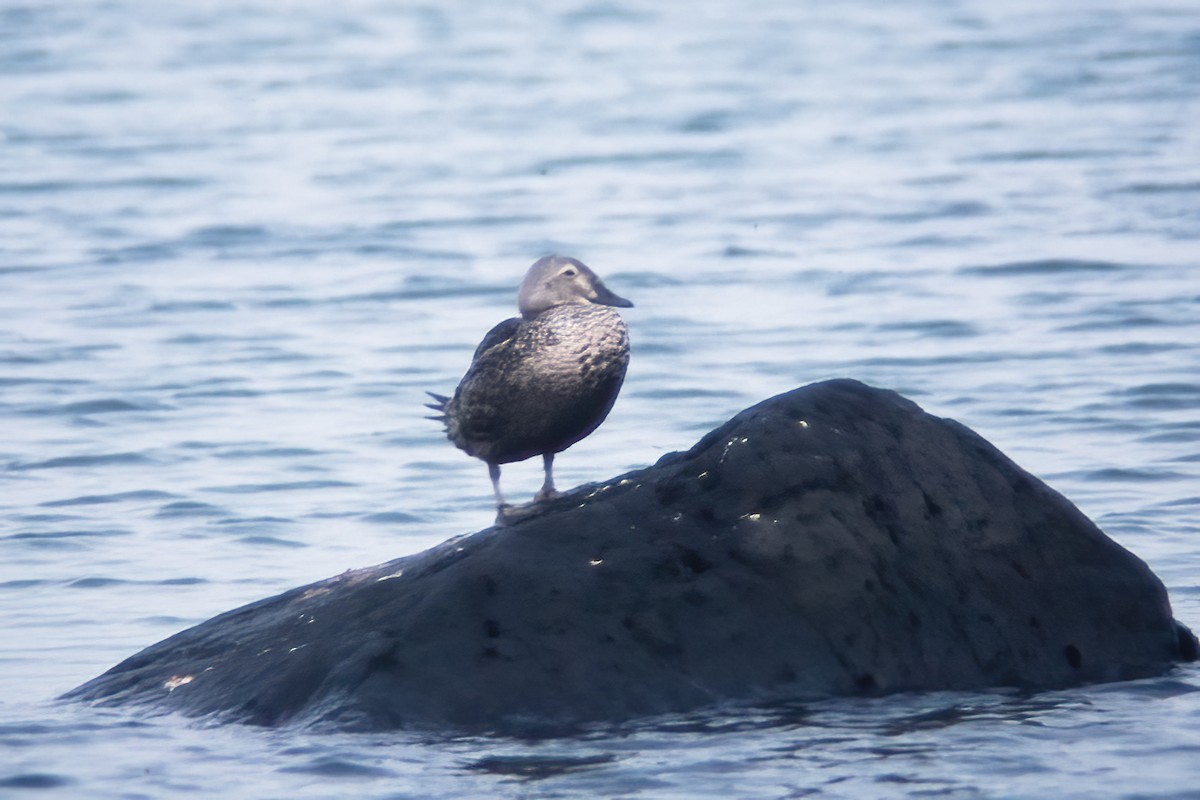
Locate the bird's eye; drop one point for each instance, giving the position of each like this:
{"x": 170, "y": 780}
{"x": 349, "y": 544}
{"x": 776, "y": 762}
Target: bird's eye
{"x": 569, "y": 272}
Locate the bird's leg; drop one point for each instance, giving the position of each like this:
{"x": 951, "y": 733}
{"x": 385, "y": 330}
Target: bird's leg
{"x": 547, "y": 491}
{"x": 501, "y": 506}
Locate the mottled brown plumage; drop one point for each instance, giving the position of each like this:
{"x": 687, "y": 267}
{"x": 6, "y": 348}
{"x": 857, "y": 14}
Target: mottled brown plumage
{"x": 540, "y": 382}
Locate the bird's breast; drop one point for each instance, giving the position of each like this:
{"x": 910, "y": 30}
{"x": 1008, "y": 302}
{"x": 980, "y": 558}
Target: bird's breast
{"x": 580, "y": 342}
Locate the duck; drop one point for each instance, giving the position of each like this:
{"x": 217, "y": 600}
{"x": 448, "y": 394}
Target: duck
{"x": 540, "y": 382}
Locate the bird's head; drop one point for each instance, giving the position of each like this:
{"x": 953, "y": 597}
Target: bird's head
{"x": 559, "y": 280}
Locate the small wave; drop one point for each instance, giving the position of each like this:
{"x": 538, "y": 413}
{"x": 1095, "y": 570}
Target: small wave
{"x": 156, "y": 251}
{"x": 95, "y": 583}
{"x": 481, "y": 221}
{"x": 1115, "y": 323}
{"x": 191, "y": 581}
{"x": 1141, "y": 348}
{"x": 957, "y": 210}
{"x": 23, "y": 583}
{"x": 107, "y": 459}
{"x": 9, "y": 357}
{"x": 211, "y": 337}
{"x": 287, "y": 302}
{"x": 56, "y": 186}
{"x": 35, "y": 780}
{"x": 1050, "y": 266}
{"x": 646, "y": 280}
{"x": 1042, "y": 154}
{"x": 272, "y": 452}
{"x": 1172, "y": 437}
{"x": 439, "y": 290}
{"x": 190, "y": 508}
{"x": 292, "y": 486}
{"x": 391, "y": 517}
{"x": 984, "y": 357}
{"x": 191, "y": 305}
{"x": 1182, "y": 501}
{"x": 702, "y": 158}
{"x": 271, "y": 541}
{"x": 87, "y": 97}
{"x": 1160, "y": 188}
{"x": 734, "y": 251}
{"x": 87, "y": 407}
{"x": 1125, "y": 475}
{"x": 323, "y": 374}
{"x": 257, "y": 521}
{"x": 539, "y": 767}
{"x": 270, "y": 355}
{"x": 1160, "y": 688}
{"x": 332, "y": 767}
{"x": 214, "y": 383}
{"x": 166, "y": 621}
{"x": 225, "y": 235}
{"x": 940, "y": 328}
{"x": 226, "y": 393}
{"x": 1162, "y": 396}
{"x": 48, "y": 518}
{"x": 427, "y": 470}
{"x": 99, "y": 499}
{"x": 1159, "y": 389}
{"x": 861, "y": 283}
{"x": 937, "y": 240}
{"x": 686, "y": 393}
{"x": 42, "y": 381}
{"x": 395, "y": 252}
{"x": 661, "y": 348}
{"x": 58, "y": 535}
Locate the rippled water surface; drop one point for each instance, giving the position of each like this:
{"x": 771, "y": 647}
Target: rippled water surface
{"x": 239, "y": 240}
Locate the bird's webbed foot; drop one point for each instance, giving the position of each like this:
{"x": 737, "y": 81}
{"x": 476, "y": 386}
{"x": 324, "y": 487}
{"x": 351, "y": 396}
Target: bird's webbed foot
{"x": 546, "y": 493}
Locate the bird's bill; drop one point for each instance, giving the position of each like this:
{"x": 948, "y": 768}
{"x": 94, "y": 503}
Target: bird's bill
{"x": 606, "y": 297}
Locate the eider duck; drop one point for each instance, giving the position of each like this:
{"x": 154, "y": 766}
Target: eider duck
{"x": 540, "y": 382}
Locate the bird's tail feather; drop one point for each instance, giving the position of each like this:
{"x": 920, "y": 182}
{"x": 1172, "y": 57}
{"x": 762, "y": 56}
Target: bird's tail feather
{"x": 438, "y": 404}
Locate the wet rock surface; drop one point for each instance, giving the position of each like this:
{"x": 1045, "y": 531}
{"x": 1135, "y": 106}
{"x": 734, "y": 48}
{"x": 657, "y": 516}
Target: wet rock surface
{"x": 832, "y": 540}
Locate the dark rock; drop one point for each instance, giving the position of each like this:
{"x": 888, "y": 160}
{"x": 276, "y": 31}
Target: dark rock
{"x": 833, "y": 540}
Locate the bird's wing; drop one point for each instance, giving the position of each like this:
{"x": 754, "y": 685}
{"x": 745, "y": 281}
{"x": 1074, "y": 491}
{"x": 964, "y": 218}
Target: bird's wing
{"x": 497, "y": 335}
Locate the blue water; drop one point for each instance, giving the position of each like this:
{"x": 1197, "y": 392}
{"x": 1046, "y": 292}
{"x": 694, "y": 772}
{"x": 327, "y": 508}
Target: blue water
{"x": 238, "y": 240}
